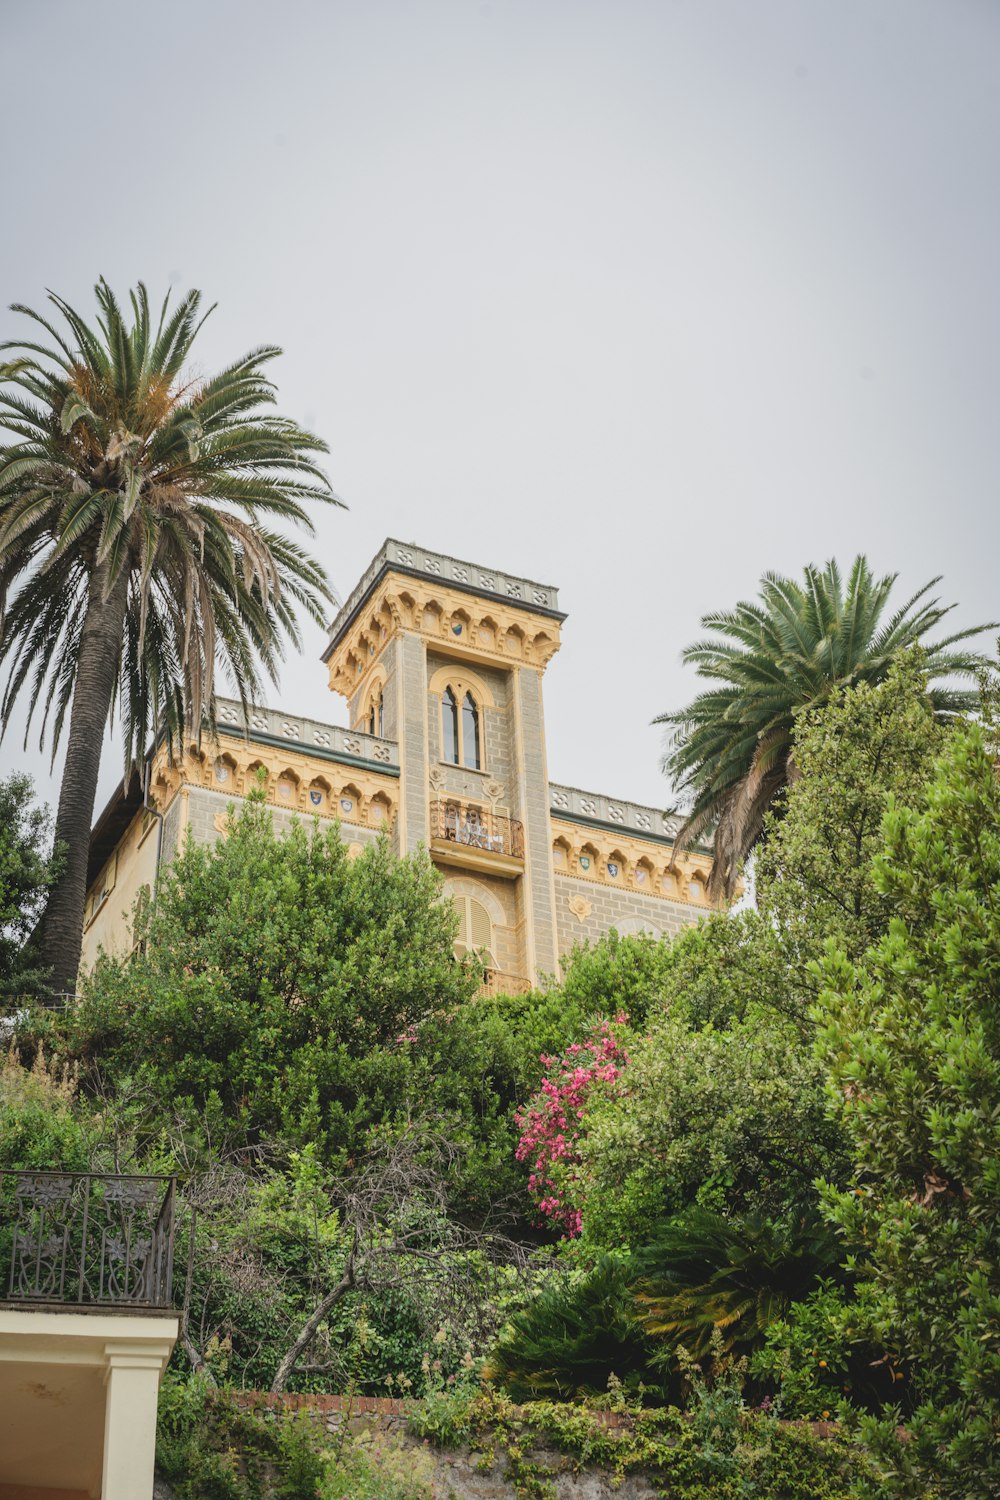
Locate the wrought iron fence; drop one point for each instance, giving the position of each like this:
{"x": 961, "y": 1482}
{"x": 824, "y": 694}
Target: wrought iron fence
{"x": 497, "y": 983}
{"x": 85, "y": 1238}
{"x": 477, "y": 828}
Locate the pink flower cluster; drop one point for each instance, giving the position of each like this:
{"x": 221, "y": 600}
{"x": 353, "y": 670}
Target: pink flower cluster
{"x": 550, "y": 1124}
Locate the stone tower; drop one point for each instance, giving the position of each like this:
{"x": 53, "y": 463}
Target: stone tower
{"x": 446, "y": 659}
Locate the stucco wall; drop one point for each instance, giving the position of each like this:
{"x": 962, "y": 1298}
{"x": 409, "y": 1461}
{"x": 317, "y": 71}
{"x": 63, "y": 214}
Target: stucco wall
{"x": 586, "y": 910}
{"x": 110, "y": 927}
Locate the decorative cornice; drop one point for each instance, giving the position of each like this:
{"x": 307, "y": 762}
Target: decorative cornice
{"x": 453, "y": 624}
{"x": 439, "y": 568}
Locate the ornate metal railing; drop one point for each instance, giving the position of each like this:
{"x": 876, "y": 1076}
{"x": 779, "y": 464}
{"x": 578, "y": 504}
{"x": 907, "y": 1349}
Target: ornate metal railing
{"x": 91, "y": 1239}
{"x": 497, "y": 983}
{"x": 476, "y": 828}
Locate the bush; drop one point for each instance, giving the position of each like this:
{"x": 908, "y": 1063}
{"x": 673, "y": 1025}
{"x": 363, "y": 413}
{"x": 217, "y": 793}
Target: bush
{"x": 706, "y": 1279}
{"x": 732, "y": 1120}
{"x": 209, "y": 1449}
{"x": 911, "y": 1038}
{"x": 579, "y": 1332}
{"x": 41, "y": 1126}
{"x": 816, "y": 1364}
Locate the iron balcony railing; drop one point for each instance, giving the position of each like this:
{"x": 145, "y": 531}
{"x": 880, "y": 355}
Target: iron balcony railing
{"x": 457, "y": 823}
{"x": 497, "y": 983}
{"x": 87, "y": 1238}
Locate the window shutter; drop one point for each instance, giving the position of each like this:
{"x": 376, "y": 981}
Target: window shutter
{"x": 480, "y": 926}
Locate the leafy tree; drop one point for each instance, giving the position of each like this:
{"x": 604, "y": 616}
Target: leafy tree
{"x": 732, "y": 748}
{"x": 26, "y": 872}
{"x": 869, "y": 742}
{"x": 136, "y": 516}
{"x": 283, "y": 979}
{"x": 731, "y": 1119}
{"x": 616, "y": 973}
{"x": 476, "y": 1065}
{"x": 911, "y": 1038}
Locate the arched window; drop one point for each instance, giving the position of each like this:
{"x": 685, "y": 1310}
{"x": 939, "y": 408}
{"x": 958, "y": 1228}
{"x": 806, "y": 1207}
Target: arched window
{"x": 470, "y": 732}
{"x": 449, "y": 727}
{"x": 375, "y": 713}
{"x": 475, "y": 930}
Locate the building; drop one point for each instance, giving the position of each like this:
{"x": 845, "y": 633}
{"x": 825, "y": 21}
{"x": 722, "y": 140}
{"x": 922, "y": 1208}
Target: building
{"x": 441, "y": 663}
{"x": 86, "y": 1328}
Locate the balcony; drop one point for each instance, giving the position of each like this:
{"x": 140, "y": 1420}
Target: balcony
{"x": 86, "y": 1240}
{"x": 497, "y": 983}
{"x": 472, "y": 836}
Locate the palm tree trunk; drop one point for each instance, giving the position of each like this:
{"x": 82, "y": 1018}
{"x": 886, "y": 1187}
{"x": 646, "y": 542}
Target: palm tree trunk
{"x": 97, "y": 666}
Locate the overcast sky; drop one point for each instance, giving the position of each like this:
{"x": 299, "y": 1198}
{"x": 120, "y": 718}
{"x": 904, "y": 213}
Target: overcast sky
{"x": 639, "y": 299}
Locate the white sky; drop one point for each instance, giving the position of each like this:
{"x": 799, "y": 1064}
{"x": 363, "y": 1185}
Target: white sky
{"x": 640, "y": 299}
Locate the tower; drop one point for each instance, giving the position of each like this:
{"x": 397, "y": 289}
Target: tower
{"x": 446, "y": 658}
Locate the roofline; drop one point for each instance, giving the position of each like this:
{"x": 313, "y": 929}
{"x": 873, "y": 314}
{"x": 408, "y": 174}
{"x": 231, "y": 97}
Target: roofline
{"x": 344, "y": 621}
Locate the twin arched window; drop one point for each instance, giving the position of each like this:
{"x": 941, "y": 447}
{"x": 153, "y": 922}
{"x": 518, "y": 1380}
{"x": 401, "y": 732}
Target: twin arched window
{"x": 461, "y": 734}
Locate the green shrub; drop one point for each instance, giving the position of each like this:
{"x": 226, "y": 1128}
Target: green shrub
{"x": 577, "y": 1333}
{"x": 717, "y": 1451}
{"x": 816, "y": 1364}
{"x": 375, "y": 1467}
{"x": 209, "y": 1449}
{"x": 911, "y": 1040}
{"x": 705, "y": 1275}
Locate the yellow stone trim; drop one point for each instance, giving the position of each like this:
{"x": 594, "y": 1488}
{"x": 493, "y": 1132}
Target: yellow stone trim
{"x": 490, "y": 630}
{"x": 375, "y": 678}
{"x": 446, "y": 852}
{"x": 282, "y": 764}
{"x": 461, "y": 680}
{"x": 631, "y": 854}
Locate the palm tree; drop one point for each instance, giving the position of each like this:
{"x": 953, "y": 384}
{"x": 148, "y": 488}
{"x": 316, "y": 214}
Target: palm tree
{"x": 732, "y": 748}
{"x": 705, "y": 1272}
{"x": 136, "y": 511}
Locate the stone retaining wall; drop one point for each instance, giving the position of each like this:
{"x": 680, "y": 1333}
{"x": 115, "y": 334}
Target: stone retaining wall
{"x": 458, "y": 1473}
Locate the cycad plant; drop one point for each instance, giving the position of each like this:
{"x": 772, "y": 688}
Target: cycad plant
{"x": 139, "y": 547}
{"x": 572, "y": 1338}
{"x": 706, "y": 1275}
{"x": 732, "y": 748}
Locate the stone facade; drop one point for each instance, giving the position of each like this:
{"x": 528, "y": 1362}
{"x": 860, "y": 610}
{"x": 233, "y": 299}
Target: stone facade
{"x": 441, "y": 663}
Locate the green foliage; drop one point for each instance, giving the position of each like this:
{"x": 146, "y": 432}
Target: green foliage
{"x": 26, "y": 873}
{"x": 815, "y": 1362}
{"x": 713, "y": 1283}
{"x": 721, "y": 970}
{"x": 732, "y": 747}
{"x": 911, "y": 1038}
{"x": 612, "y": 975}
{"x": 376, "y": 1468}
{"x": 710, "y": 973}
{"x": 264, "y": 1244}
{"x": 718, "y": 1450}
{"x": 211, "y": 1449}
{"x": 281, "y": 979}
{"x": 869, "y": 743}
{"x": 477, "y": 1063}
{"x": 40, "y": 1124}
{"x": 576, "y": 1334}
{"x": 706, "y": 1282}
{"x": 731, "y": 1119}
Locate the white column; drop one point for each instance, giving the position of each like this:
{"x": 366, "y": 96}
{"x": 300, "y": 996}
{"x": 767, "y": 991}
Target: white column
{"x": 132, "y": 1381}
